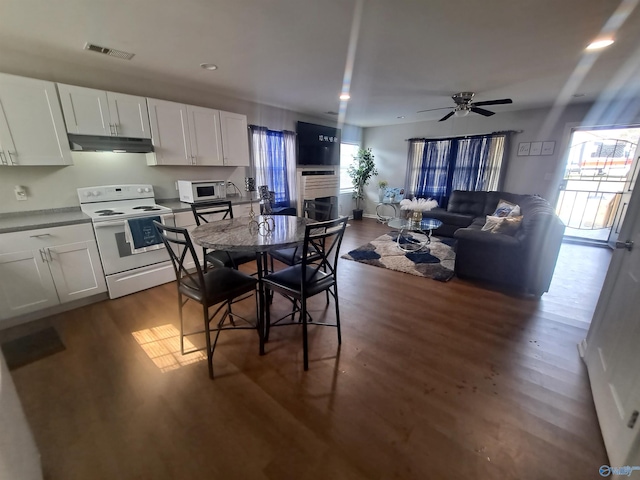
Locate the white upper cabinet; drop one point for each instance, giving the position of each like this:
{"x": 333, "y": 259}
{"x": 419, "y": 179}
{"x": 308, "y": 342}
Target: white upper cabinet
{"x": 204, "y": 133}
{"x": 31, "y": 125}
{"x": 191, "y": 135}
{"x": 88, "y": 111}
{"x": 169, "y": 133}
{"x": 235, "y": 139}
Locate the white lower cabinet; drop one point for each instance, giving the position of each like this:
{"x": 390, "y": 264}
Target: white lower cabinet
{"x": 46, "y": 267}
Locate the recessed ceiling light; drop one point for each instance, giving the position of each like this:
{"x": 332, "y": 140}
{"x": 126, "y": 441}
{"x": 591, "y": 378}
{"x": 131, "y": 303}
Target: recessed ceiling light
{"x": 401, "y": 116}
{"x": 345, "y": 96}
{"x": 599, "y": 44}
{"x": 209, "y": 66}
{"x": 578, "y": 95}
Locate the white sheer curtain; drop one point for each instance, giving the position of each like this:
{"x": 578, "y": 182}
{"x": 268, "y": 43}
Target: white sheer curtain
{"x": 290, "y": 156}
{"x": 259, "y": 154}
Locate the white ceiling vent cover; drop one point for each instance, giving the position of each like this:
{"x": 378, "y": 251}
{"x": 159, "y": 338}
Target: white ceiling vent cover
{"x": 109, "y": 51}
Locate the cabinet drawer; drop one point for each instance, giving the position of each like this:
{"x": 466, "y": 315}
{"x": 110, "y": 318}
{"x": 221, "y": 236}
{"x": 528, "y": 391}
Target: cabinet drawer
{"x": 45, "y": 237}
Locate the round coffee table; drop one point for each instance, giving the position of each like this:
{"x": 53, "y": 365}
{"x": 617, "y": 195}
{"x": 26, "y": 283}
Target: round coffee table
{"x": 425, "y": 227}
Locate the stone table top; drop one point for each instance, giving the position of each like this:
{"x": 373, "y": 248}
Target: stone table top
{"x": 234, "y": 234}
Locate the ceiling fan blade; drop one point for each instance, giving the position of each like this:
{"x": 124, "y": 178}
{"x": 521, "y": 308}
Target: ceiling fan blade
{"x": 502, "y": 101}
{"x": 445, "y": 117}
{"x": 432, "y": 109}
{"x": 482, "y": 111}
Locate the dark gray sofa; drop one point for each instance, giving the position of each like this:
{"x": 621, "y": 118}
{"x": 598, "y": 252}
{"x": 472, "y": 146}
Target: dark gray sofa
{"x": 523, "y": 262}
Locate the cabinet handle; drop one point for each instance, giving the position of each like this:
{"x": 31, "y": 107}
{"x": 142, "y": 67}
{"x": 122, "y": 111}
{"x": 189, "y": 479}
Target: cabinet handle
{"x": 48, "y": 250}
{"x": 41, "y": 235}
{"x": 11, "y": 160}
{"x": 193, "y": 159}
{"x": 3, "y": 159}
{"x": 115, "y": 127}
{"x": 42, "y": 256}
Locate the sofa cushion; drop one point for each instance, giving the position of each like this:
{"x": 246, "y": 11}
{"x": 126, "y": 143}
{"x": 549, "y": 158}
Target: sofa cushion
{"x": 450, "y": 218}
{"x": 467, "y": 202}
{"x": 480, "y": 238}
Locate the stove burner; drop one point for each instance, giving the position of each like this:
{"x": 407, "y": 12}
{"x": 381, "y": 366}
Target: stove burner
{"x": 103, "y": 211}
{"x": 146, "y": 208}
{"x": 108, "y": 213}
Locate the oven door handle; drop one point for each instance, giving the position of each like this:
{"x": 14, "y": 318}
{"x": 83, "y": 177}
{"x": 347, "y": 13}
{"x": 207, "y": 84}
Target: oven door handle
{"x": 111, "y": 223}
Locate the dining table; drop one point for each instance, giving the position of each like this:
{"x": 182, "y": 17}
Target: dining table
{"x": 259, "y": 235}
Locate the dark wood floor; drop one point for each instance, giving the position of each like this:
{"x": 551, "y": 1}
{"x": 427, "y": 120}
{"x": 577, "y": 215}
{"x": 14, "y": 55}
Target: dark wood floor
{"x": 433, "y": 381}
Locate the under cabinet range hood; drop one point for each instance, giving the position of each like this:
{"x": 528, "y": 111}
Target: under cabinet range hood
{"x": 93, "y": 143}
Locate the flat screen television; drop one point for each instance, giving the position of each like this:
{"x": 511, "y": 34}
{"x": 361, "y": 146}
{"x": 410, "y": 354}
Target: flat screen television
{"x": 318, "y": 145}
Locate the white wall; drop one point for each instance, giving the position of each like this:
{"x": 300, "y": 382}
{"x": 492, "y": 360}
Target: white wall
{"x": 531, "y": 175}
{"x": 55, "y": 187}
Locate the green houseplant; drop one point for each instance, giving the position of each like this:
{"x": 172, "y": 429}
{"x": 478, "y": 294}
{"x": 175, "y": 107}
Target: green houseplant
{"x": 361, "y": 171}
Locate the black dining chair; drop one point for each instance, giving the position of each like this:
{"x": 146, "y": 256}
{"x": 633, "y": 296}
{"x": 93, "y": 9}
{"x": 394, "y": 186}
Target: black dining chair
{"x": 314, "y": 274}
{"x": 315, "y": 209}
{"x": 204, "y": 212}
{"x": 218, "y": 287}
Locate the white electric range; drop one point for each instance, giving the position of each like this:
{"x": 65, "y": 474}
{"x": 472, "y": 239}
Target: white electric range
{"x": 109, "y": 207}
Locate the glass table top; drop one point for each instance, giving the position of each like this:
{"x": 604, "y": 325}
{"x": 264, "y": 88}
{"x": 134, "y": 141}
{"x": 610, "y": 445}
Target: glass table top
{"x": 407, "y": 224}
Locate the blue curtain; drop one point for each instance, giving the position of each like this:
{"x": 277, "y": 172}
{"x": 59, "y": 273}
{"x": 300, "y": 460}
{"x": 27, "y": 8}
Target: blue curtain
{"x": 439, "y": 166}
{"x": 270, "y": 161}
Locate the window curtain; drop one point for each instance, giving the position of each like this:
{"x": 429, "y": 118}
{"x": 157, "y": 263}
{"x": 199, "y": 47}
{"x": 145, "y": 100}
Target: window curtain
{"x": 273, "y": 156}
{"x": 436, "y": 167}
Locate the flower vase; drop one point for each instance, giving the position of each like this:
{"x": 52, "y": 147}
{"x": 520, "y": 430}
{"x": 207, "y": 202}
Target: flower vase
{"x": 381, "y": 194}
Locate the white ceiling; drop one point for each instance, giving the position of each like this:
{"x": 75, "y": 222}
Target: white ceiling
{"x": 409, "y": 55}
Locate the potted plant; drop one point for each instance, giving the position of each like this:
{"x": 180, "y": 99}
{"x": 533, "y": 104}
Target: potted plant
{"x": 360, "y": 171}
{"x": 382, "y": 185}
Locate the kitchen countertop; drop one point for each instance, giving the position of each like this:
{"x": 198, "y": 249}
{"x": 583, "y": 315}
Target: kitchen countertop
{"x": 31, "y": 220}
{"x": 59, "y": 217}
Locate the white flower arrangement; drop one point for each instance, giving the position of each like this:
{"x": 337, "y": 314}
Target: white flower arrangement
{"x": 418, "y": 204}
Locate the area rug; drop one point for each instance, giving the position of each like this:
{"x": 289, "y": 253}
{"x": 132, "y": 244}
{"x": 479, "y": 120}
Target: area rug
{"x": 28, "y": 349}
{"x": 436, "y": 260}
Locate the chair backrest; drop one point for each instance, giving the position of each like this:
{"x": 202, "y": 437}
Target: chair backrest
{"x": 319, "y": 209}
{"x": 179, "y": 245}
{"x": 213, "y": 210}
{"x": 325, "y": 238}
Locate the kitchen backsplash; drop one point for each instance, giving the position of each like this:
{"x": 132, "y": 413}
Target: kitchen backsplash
{"x": 55, "y": 187}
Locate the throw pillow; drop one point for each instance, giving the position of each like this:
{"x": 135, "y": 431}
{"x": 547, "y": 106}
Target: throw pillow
{"x": 504, "y": 225}
{"x": 508, "y": 225}
{"x": 491, "y": 223}
{"x": 506, "y": 209}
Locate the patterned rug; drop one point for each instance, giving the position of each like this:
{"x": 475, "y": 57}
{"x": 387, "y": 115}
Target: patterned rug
{"x": 436, "y": 260}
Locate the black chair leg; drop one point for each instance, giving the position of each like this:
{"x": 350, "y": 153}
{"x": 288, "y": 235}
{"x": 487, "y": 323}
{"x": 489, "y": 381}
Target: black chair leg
{"x": 305, "y": 350}
{"x": 335, "y": 299}
{"x": 267, "y": 325}
{"x": 207, "y": 332}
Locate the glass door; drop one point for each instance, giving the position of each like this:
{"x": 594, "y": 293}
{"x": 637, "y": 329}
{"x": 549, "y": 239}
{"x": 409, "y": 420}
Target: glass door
{"x": 599, "y": 175}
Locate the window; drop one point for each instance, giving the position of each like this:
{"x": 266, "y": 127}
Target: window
{"x": 273, "y": 156}
{"x": 347, "y": 152}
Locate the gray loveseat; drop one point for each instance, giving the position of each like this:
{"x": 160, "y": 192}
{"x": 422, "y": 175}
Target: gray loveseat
{"x": 524, "y": 261}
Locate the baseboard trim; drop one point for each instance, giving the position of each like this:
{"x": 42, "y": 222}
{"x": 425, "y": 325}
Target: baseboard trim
{"x": 47, "y": 312}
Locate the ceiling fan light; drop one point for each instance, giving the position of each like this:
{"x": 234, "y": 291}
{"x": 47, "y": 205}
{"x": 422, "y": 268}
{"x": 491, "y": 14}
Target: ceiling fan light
{"x": 461, "y": 112}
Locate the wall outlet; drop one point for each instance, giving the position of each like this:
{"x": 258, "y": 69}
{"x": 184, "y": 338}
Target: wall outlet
{"x": 20, "y": 192}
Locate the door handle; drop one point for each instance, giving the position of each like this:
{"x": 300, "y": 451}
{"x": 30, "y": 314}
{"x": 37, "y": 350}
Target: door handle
{"x": 628, "y": 245}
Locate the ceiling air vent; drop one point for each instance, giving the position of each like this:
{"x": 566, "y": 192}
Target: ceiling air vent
{"x": 109, "y": 51}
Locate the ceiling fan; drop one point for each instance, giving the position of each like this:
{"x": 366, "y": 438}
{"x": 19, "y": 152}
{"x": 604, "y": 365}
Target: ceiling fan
{"x": 465, "y": 104}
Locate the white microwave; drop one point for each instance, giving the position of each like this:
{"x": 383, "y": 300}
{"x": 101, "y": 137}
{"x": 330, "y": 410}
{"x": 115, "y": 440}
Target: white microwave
{"x": 192, "y": 191}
